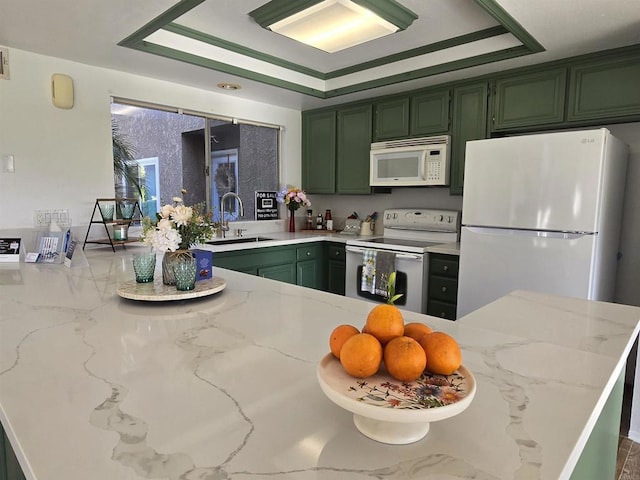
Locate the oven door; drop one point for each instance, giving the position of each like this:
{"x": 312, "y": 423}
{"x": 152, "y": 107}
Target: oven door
{"x": 411, "y": 279}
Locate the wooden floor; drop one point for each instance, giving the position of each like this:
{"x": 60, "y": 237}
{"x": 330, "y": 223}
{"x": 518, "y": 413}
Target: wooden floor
{"x": 628, "y": 464}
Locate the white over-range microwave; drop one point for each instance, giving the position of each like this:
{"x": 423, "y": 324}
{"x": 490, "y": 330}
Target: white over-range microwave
{"x": 410, "y": 162}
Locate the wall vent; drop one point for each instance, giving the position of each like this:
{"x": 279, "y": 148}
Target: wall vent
{"x": 4, "y": 63}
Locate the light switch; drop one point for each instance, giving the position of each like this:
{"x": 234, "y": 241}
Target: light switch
{"x": 8, "y": 164}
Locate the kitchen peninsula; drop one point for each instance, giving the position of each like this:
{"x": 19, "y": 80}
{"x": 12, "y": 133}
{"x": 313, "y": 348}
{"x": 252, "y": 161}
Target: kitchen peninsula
{"x": 93, "y": 386}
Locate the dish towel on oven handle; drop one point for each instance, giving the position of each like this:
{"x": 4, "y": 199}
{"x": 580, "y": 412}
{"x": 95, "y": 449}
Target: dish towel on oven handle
{"x": 377, "y": 265}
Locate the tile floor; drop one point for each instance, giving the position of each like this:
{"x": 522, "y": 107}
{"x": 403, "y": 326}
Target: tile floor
{"x": 628, "y": 464}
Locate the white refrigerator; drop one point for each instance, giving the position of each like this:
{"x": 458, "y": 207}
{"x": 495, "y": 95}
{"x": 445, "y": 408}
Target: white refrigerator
{"x": 541, "y": 212}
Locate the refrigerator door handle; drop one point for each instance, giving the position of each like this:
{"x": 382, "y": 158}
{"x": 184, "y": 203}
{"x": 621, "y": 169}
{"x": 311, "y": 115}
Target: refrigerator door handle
{"x": 529, "y": 233}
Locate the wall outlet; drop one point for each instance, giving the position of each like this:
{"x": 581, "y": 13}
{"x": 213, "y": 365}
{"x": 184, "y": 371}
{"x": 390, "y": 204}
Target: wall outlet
{"x": 4, "y": 63}
{"x": 43, "y": 218}
{"x": 8, "y": 163}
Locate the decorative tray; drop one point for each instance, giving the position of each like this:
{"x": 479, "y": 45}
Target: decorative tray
{"x": 159, "y": 292}
{"x": 395, "y": 412}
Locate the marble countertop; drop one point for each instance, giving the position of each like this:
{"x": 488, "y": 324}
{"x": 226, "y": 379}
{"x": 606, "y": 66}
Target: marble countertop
{"x": 94, "y": 386}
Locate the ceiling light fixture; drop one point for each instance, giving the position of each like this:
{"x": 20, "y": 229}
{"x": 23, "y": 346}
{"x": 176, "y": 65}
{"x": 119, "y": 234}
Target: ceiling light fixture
{"x": 229, "y": 86}
{"x": 333, "y": 25}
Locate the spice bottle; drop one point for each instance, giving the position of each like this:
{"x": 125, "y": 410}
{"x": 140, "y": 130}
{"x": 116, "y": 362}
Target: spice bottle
{"x": 319, "y": 222}
{"x": 309, "y": 219}
{"x": 328, "y": 220}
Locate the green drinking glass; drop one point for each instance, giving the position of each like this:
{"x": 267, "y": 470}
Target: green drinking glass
{"x": 107, "y": 212}
{"x": 144, "y": 265}
{"x": 184, "y": 269}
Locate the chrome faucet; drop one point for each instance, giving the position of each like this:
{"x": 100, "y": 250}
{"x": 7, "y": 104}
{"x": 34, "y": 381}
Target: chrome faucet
{"x": 224, "y": 224}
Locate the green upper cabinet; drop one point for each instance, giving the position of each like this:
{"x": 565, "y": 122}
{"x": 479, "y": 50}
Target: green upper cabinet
{"x": 606, "y": 88}
{"x": 353, "y": 147}
{"x": 392, "y": 119}
{"x": 529, "y": 100}
{"x": 423, "y": 113}
{"x": 430, "y": 113}
{"x": 319, "y": 152}
{"x": 469, "y": 123}
{"x": 335, "y": 150}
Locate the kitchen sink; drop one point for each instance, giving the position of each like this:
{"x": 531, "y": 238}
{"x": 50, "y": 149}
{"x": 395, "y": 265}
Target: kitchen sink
{"x": 231, "y": 241}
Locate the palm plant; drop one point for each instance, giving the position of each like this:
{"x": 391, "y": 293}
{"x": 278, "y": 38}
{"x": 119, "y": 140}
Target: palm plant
{"x": 124, "y": 164}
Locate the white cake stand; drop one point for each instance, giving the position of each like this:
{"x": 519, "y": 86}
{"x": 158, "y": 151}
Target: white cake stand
{"x": 390, "y": 411}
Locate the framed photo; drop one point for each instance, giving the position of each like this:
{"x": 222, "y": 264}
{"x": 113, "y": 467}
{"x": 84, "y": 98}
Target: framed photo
{"x": 10, "y": 249}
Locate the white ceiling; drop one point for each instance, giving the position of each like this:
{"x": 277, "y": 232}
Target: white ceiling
{"x": 89, "y": 31}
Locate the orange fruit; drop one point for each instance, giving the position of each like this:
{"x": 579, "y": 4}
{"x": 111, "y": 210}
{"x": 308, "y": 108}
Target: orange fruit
{"x": 385, "y": 322}
{"x": 443, "y": 353}
{"x": 416, "y": 330}
{"x": 340, "y": 335}
{"x": 404, "y": 359}
{"x": 361, "y": 355}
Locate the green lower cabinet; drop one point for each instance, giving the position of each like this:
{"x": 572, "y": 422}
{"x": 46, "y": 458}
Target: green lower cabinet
{"x": 469, "y": 123}
{"x": 443, "y": 285}
{"x": 598, "y": 458}
{"x": 301, "y": 265}
{"x": 9, "y": 466}
{"x": 282, "y": 273}
{"x": 605, "y": 89}
{"x": 336, "y": 268}
{"x": 269, "y": 262}
{"x": 307, "y": 274}
{"x": 309, "y": 266}
{"x": 529, "y": 100}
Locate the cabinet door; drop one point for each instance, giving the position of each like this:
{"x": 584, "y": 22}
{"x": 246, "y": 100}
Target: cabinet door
{"x": 605, "y": 89}
{"x": 392, "y": 119}
{"x": 430, "y": 113}
{"x": 319, "y": 152}
{"x": 252, "y": 261}
{"x": 354, "y": 145}
{"x": 283, "y": 273}
{"x": 335, "y": 276}
{"x": 469, "y": 123}
{"x": 529, "y": 100}
{"x": 307, "y": 274}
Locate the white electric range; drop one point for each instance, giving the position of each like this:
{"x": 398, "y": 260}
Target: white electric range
{"x": 408, "y": 233}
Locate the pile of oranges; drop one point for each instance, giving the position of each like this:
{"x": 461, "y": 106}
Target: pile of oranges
{"x": 407, "y": 350}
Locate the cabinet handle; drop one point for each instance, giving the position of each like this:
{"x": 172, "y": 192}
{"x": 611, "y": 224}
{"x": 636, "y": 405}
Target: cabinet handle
{"x": 337, "y": 254}
{"x": 445, "y": 268}
{"x": 308, "y": 253}
{"x": 444, "y": 289}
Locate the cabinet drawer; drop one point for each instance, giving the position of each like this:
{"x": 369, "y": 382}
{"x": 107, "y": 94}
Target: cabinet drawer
{"x": 442, "y": 310}
{"x": 444, "y": 265}
{"x": 444, "y": 289}
{"x": 307, "y": 252}
{"x": 336, "y": 252}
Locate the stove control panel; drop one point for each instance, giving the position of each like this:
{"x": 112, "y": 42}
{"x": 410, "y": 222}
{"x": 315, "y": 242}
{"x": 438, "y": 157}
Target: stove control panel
{"x": 422, "y": 219}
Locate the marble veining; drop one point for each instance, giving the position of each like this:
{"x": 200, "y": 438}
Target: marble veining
{"x": 224, "y": 387}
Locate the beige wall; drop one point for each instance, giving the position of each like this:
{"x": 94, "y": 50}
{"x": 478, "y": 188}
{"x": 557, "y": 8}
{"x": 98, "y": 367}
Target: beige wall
{"x": 63, "y": 158}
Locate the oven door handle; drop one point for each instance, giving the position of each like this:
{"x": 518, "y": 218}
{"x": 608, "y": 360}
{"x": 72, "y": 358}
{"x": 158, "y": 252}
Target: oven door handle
{"x": 407, "y": 256}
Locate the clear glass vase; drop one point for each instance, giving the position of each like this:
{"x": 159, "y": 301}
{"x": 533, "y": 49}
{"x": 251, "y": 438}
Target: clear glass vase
{"x": 168, "y": 261}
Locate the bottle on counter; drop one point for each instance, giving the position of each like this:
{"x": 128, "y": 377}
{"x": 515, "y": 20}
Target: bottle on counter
{"x": 309, "y": 219}
{"x": 319, "y": 222}
{"x": 328, "y": 220}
